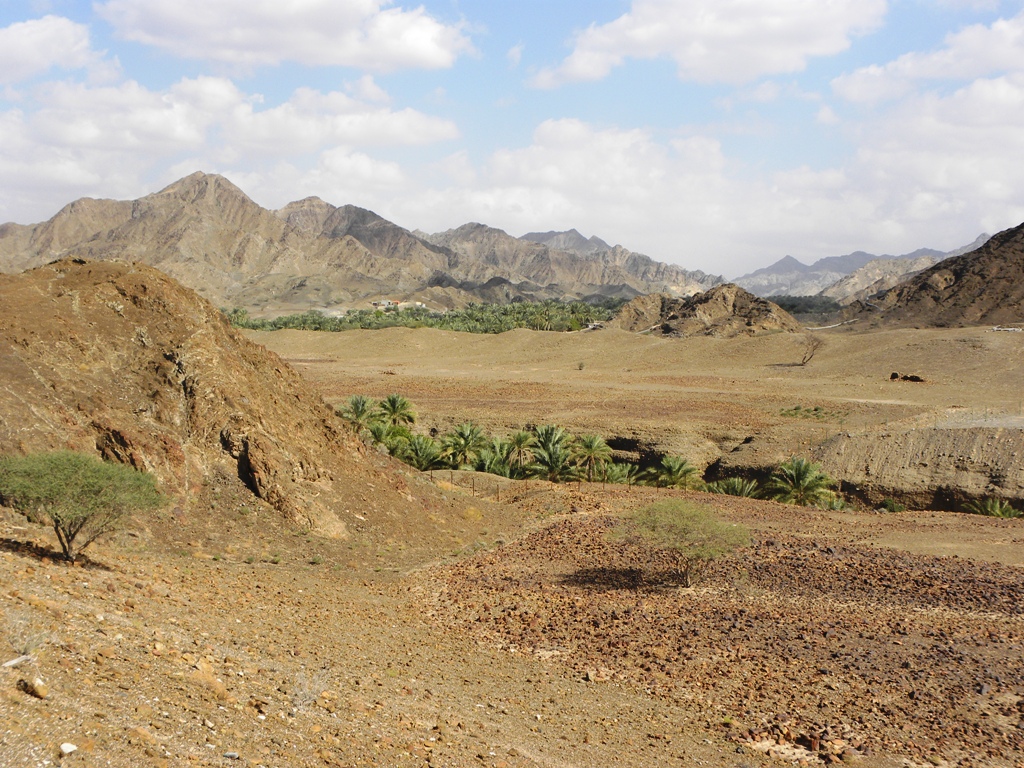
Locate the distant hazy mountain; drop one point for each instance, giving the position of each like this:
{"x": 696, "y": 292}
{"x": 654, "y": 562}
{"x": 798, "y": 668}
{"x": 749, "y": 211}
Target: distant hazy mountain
{"x": 790, "y": 277}
{"x": 587, "y": 267}
{"x": 206, "y": 233}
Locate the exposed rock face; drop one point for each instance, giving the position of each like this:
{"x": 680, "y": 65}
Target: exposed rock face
{"x": 206, "y": 233}
{"x": 985, "y": 286}
{"x": 724, "y": 311}
{"x": 121, "y": 360}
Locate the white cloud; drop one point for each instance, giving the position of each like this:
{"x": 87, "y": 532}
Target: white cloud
{"x": 976, "y": 51}
{"x": 515, "y": 55}
{"x": 79, "y": 140}
{"x": 366, "y": 89}
{"x": 827, "y": 116}
{"x": 31, "y": 48}
{"x": 730, "y": 41}
{"x": 356, "y": 33}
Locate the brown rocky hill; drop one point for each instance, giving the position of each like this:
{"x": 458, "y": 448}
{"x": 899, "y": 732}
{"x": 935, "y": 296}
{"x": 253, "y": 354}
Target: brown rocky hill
{"x": 724, "y": 311}
{"x": 122, "y": 360}
{"x": 206, "y": 233}
{"x": 985, "y": 286}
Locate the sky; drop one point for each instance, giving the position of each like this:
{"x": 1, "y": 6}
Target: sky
{"x": 718, "y": 135}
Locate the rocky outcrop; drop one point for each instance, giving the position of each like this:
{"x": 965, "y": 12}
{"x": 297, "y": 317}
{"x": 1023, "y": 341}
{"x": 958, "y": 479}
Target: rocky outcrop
{"x": 724, "y": 311}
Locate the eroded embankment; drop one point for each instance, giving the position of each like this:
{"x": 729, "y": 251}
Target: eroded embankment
{"x": 941, "y": 467}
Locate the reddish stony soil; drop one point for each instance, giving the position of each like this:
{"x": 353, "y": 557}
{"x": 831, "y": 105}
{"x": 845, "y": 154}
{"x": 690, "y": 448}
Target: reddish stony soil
{"x": 190, "y": 641}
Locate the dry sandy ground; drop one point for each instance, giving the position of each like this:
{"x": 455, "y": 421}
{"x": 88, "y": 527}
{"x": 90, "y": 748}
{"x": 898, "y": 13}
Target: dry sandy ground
{"x": 182, "y": 642}
{"x": 521, "y": 637}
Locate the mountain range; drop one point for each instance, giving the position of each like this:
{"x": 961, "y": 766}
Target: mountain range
{"x": 790, "y": 277}
{"x": 205, "y": 232}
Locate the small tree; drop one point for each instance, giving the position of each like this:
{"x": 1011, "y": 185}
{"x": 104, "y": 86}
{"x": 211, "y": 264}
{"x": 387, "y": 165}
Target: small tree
{"x": 396, "y": 410}
{"x": 82, "y": 496}
{"x": 463, "y": 445}
{"x": 689, "y": 533}
{"x": 812, "y": 344}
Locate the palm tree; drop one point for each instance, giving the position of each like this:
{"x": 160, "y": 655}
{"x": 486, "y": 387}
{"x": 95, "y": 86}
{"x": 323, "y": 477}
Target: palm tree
{"x": 734, "y": 486}
{"x": 591, "y": 452}
{"x": 494, "y": 459}
{"x": 799, "y": 481}
{"x": 552, "y": 457}
{"x": 391, "y": 436}
{"x": 396, "y": 410}
{"x": 520, "y": 455}
{"x": 422, "y": 452}
{"x": 463, "y": 445}
{"x": 621, "y": 473}
{"x": 673, "y": 472}
{"x": 359, "y": 412}
{"x": 992, "y": 507}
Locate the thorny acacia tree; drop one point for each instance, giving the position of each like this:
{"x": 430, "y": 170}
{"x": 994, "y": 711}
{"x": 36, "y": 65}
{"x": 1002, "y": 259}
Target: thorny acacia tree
{"x": 82, "y": 496}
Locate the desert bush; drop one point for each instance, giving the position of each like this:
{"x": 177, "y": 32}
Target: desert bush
{"x": 891, "y": 505}
{"x": 991, "y": 507}
{"x": 832, "y": 501}
{"x": 734, "y": 486}
{"x": 618, "y": 472}
{"x": 689, "y": 533}
{"x": 82, "y": 496}
{"x": 799, "y": 481}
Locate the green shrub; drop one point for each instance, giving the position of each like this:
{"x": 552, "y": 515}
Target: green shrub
{"x": 993, "y": 508}
{"x": 81, "y": 496}
{"x": 688, "y": 532}
{"x": 891, "y": 505}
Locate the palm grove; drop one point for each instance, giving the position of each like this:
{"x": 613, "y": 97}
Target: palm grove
{"x": 550, "y": 452}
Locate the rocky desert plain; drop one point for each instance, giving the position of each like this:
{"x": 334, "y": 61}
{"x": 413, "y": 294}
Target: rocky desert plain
{"x": 305, "y": 600}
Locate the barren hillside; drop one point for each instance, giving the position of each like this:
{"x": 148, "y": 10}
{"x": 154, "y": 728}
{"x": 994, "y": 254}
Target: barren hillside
{"x": 985, "y": 286}
{"x": 122, "y": 360}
